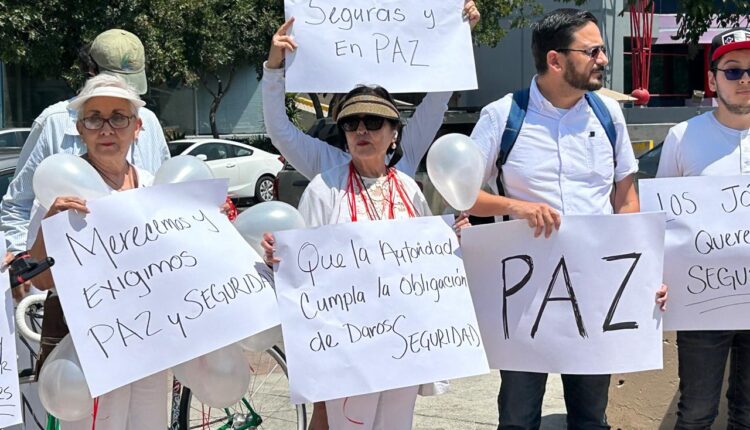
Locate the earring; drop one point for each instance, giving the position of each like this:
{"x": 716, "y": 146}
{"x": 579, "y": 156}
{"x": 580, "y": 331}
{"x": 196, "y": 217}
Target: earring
{"x": 393, "y": 145}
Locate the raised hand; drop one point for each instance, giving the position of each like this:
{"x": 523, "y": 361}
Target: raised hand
{"x": 280, "y": 43}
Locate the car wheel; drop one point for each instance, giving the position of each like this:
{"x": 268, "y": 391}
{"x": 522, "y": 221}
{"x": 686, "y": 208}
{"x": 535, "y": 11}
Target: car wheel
{"x": 264, "y": 189}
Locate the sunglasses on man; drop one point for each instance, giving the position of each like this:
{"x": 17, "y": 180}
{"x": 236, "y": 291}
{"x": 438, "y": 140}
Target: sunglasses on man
{"x": 592, "y": 53}
{"x": 372, "y": 122}
{"x": 733, "y": 74}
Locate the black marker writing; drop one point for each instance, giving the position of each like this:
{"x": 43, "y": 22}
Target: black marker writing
{"x": 571, "y": 297}
{"x": 630, "y": 325}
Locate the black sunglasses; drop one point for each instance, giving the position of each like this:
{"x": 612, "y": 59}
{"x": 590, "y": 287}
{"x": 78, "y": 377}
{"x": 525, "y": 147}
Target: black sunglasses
{"x": 733, "y": 74}
{"x": 591, "y": 52}
{"x": 372, "y": 122}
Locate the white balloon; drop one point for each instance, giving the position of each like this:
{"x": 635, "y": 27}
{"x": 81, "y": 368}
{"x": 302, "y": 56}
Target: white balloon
{"x": 62, "y": 387}
{"x": 267, "y": 217}
{"x": 181, "y": 374}
{"x": 262, "y": 341}
{"x": 456, "y": 169}
{"x": 219, "y": 378}
{"x": 182, "y": 168}
{"x": 67, "y": 175}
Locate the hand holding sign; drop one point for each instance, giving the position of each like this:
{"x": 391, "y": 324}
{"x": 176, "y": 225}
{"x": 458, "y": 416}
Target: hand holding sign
{"x": 471, "y": 13}
{"x": 280, "y": 43}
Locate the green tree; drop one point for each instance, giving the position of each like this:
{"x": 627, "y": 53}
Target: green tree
{"x": 188, "y": 42}
{"x": 695, "y": 17}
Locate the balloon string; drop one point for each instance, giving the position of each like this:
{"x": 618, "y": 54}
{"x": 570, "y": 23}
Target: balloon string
{"x": 96, "y": 412}
{"x": 343, "y": 410}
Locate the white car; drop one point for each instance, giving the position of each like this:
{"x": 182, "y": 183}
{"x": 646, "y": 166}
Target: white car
{"x": 251, "y": 171}
{"x": 13, "y": 137}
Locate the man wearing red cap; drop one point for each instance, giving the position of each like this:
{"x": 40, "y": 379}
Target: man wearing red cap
{"x": 715, "y": 144}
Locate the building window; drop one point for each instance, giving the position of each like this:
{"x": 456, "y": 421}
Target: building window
{"x": 675, "y": 73}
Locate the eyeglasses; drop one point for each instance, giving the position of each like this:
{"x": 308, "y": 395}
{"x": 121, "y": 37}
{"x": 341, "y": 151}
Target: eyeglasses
{"x": 733, "y": 74}
{"x": 590, "y": 52}
{"x": 116, "y": 121}
{"x": 372, "y": 122}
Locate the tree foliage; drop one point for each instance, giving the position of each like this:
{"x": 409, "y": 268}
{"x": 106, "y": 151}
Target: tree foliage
{"x": 695, "y": 17}
{"x": 187, "y": 42}
{"x": 498, "y": 16}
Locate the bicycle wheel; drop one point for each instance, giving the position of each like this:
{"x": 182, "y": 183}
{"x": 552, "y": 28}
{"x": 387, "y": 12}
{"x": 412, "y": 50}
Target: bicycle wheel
{"x": 265, "y": 406}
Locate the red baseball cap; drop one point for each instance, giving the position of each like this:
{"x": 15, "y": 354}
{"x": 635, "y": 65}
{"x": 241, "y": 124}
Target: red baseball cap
{"x": 730, "y": 40}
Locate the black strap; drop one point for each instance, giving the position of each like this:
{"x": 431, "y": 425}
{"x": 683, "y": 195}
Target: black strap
{"x": 518, "y": 107}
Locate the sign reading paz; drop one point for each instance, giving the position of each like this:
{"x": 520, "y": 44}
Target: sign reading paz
{"x": 707, "y": 249}
{"x": 580, "y": 302}
{"x": 373, "y": 306}
{"x": 10, "y": 396}
{"x": 404, "y": 46}
{"x": 154, "y": 277}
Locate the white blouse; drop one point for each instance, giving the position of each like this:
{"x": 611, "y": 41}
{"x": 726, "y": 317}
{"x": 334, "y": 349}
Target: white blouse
{"x": 325, "y": 201}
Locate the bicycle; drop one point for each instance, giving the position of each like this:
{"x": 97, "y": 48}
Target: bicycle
{"x": 31, "y": 309}
{"x": 265, "y": 406}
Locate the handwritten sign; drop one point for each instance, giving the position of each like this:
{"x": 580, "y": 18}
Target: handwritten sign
{"x": 374, "y": 306}
{"x": 707, "y": 249}
{"x": 580, "y": 302}
{"x": 414, "y": 46}
{"x": 154, "y": 277}
{"x": 10, "y": 395}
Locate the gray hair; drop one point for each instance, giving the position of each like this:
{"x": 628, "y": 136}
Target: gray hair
{"x": 106, "y": 80}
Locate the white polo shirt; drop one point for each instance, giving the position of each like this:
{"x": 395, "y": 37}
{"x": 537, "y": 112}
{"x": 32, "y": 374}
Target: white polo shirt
{"x": 702, "y": 146}
{"x": 562, "y": 157}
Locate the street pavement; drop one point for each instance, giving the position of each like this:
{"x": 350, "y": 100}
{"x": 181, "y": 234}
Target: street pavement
{"x": 471, "y": 404}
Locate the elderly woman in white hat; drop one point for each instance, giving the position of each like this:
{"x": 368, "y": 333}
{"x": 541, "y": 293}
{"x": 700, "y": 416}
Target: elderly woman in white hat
{"x": 108, "y": 123}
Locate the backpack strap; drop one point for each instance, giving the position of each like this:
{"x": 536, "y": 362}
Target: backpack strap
{"x": 605, "y": 118}
{"x": 513, "y": 125}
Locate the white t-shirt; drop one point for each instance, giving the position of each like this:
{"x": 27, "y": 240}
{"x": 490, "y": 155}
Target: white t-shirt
{"x": 561, "y": 158}
{"x": 325, "y": 200}
{"x": 702, "y": 146}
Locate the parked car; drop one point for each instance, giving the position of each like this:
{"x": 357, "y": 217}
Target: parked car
{"x": 13, "y": 137}
{"x": 8, "y": 161}
{"x": 251, "y": 171}
{"x": 290, "y": 184}
{"x": 648, "y": 163}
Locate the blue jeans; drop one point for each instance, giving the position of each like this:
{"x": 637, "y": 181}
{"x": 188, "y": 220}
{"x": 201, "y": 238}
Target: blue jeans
{"x": 702, "y": 359}
{"x": 521, "y": 394}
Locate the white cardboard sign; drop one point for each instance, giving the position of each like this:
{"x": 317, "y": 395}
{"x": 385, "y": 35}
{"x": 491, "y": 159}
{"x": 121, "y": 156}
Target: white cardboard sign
{"x": 154, "y": 277}
{"x": 404, "y": 46}
{"x": 10, "y": 395}
{"x": 373, "y": 306}
{"x": 706, "y": 250}
{"x": 580, "y": 302}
